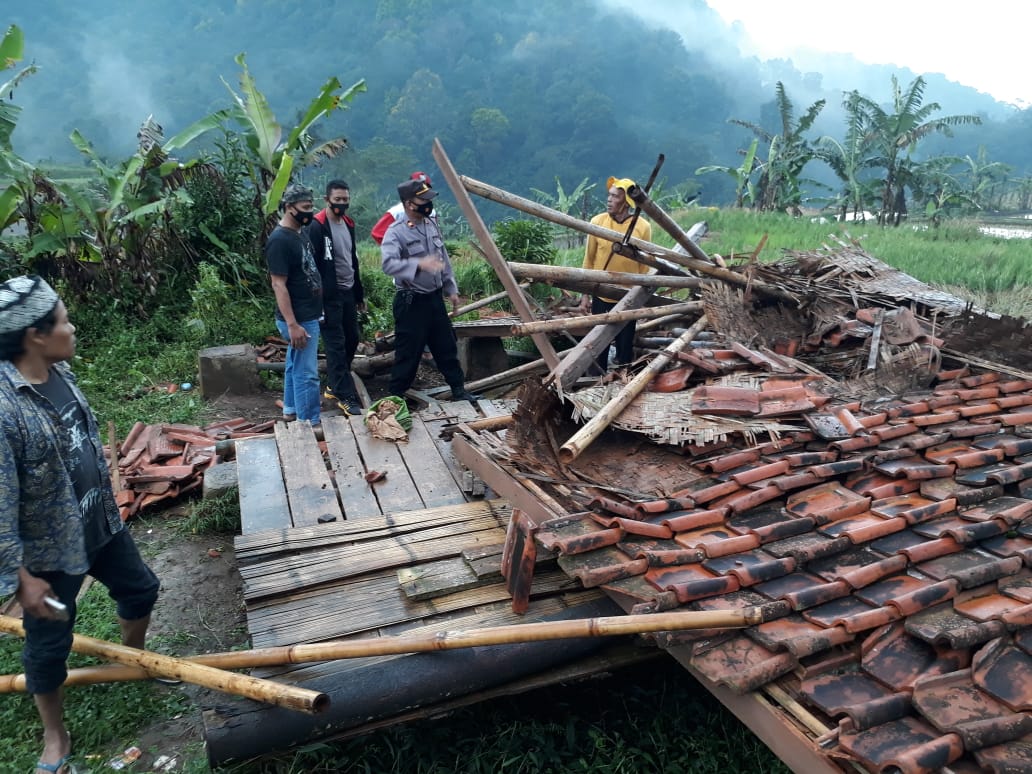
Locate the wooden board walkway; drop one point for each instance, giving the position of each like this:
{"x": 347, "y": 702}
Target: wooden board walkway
{"x": 324, "y": 555}
{"x": 285, "y": 483}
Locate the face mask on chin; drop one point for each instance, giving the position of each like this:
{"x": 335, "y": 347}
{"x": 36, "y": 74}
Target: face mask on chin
{"x": 303, "y": 217}
{"x": 340, "y": 210}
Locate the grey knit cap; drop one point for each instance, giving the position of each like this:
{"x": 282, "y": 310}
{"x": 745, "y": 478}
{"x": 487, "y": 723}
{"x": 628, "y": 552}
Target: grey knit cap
{"x": 23, "y": 301}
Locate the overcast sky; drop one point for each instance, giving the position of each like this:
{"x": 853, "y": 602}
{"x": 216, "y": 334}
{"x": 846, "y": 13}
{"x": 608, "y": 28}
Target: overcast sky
{"x": 984, "y": 44}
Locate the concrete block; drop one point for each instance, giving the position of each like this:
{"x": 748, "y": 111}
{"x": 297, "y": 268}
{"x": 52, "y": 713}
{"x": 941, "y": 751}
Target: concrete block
{"x": 229, "y": 369}
{"x": 219, "y": 479}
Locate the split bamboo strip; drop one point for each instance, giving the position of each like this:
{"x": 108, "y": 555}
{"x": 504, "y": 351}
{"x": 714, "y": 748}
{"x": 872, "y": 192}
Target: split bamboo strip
{"x": 611, "y": 626}
{"x": 157, "y": 665}
{"x": 479, "y": 303}
{"x": 590, "y": 431}
{"x": 591, "y": 320}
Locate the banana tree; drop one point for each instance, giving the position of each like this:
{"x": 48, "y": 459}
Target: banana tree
{"x": 272, "y": 158}
{"x": 19, "y": 173}
{"x": 895, "y": 132}
{"x": 742, "y": 175}
{"x": 780, "y": 183}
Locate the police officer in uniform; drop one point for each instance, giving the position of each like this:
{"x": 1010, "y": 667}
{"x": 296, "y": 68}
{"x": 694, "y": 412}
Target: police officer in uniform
{"x": 413, "y": 254}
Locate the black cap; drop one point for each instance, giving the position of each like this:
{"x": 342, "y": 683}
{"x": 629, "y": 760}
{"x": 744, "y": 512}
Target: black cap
{"x": 410, "y": 189}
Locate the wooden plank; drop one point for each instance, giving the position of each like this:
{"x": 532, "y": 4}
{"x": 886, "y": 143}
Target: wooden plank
{"x": 263, "y": 497}
{"x": 370, "y": 602}
{"x": 397, "y": 492}
{"x": 501, "y": 481}
{"x": 349, "y": 472}
{"x": 429, "y": 471}
{"x": 492, "y": 614}
{"x": 437, "y": 579}
{"x": 289, "y": 573}
{"x": 309, "y": 489}
{"x": 260, "y": 545}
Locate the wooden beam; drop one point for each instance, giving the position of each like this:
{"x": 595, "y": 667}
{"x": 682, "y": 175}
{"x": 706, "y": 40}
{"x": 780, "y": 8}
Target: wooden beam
{"x": 578, "y": 360}
{"x": 494, "y": 256}
{"x": 501, "y": 481}
{"x": 591, "y": 320}
{"x": 547, "y": 273}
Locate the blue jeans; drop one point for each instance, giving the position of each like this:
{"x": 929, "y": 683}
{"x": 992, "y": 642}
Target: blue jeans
{"x": 301, "y": 378}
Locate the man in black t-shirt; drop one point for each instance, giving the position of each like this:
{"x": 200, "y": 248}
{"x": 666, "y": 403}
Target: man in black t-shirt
{"x": 297, "y": 286}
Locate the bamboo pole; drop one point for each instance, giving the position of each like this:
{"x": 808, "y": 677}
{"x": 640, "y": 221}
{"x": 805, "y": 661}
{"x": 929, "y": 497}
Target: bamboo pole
{"x": 608, "y": 626}
{"x": 504, "y": 377}
{"x": 158, "y": 665}
{"x": 547, "y": 273}
{"x": 494, "y": 257}
{"x": 591, "y": 320}
{"x": 478, "y": 304}
{"x": 580, "y": 440}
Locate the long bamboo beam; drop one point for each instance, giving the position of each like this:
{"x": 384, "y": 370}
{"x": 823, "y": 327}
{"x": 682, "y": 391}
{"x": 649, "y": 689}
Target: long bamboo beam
{"x": 700, "y": 267}
{"x": 580, "y": 440}
{"x": 158, "y": 665}
{"x": 606, "y": 626}
{"x": 494, "y": 256}
{"x": 547, "y": 273}
{"x": 591, "y": 320}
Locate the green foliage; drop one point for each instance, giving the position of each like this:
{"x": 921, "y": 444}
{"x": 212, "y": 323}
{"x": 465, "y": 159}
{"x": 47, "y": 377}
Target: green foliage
{"x": 272, "y": 158}
{"x": 379, "y": 293}
{"x": 524, "y": 241}
{"x": 208, "y": 323}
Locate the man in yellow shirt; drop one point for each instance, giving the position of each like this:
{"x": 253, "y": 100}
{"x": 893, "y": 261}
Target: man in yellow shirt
{"x": 599, "y": 255}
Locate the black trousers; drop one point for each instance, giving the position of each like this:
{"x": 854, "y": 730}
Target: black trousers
{"x": 340, "y": 341}
{"x": 624, "y": 340}
{"x": 421, "y": 320}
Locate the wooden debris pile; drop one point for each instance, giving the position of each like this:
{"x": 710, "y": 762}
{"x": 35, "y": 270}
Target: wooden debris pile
{"x": 158, "y": 463}
{"x": 815, "y": 324}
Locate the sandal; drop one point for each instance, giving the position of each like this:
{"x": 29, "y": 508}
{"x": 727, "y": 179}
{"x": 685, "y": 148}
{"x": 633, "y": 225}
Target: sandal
{"x": 63, "y": 766}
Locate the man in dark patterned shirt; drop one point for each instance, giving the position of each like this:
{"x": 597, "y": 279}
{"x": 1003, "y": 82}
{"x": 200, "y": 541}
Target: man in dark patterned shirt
{"x": 58, "y": 518}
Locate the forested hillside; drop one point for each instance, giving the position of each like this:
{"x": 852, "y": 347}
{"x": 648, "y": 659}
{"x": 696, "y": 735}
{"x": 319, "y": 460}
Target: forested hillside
{"x": 520, "y": 92}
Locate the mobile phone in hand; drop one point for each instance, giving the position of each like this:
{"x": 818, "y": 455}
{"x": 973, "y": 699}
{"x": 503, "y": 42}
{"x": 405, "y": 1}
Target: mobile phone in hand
{"x": 60, "y": 609}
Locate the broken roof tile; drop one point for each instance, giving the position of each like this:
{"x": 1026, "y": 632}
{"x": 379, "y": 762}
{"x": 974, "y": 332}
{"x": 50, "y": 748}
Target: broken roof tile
{"x": 898, "y": 659}
{"x": 742, "y": 664}
{"x": 945, "y": 488}
{"x": 942, "y": 625}
{"x": 1005, "y": 672}
{"x": 827, "y": 502}
{"x": 877, "y": 747}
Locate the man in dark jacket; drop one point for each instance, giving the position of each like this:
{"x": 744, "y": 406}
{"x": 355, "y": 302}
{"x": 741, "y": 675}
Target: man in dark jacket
{"x": 333, "y": 240}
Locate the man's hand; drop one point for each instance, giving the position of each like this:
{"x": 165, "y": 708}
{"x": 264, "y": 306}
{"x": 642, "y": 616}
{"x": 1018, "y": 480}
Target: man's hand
{"x": 454, "y": 302}
{"x": 361, "y": 307}
{"x": 434, "y": 264}
{"x": 298, "y": 335}
{"x": 585, "y": 305}
{"x": 32, "y": 592}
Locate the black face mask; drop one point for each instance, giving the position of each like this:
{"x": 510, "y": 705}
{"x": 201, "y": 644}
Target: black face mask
{"x": 425, "y": 209}
{"x": 303, "y": 217}
{"x": 340, "y": 210}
